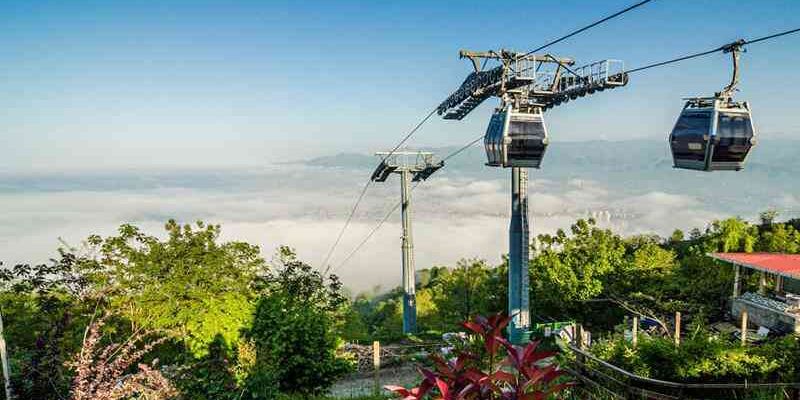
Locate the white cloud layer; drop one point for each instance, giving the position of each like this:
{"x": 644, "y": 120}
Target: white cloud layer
{"x": 454, "y": 217}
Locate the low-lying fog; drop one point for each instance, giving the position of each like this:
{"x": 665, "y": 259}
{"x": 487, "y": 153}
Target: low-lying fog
{"x": 460, "y": 212}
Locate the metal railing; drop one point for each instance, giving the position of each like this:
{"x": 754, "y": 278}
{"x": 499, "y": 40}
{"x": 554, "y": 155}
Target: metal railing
{"x": 597, "y": 74}
{"x": 608, "y": 381}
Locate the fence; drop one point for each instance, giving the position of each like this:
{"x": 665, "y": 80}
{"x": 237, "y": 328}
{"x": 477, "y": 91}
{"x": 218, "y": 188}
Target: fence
{"x": 378, "y": 365}
{"x": 601, "y": 380}
{"x": 597, "y": 380}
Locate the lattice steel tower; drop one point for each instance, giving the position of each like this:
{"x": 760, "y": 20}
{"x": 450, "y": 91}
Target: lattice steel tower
{"x": 412, "y": 166}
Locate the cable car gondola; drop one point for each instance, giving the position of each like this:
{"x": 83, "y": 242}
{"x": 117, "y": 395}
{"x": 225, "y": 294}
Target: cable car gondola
{"x": 714, "y": 133}
{"x": 515, "y": 138}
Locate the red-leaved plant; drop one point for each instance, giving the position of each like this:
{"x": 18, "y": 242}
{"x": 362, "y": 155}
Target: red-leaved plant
{"x": 521, "y": 374}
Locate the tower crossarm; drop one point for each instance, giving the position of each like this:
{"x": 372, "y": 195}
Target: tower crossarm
{"x": 516, "y": 70}
{"x": 420, "y": 164}
{"x": 543, "y": 79}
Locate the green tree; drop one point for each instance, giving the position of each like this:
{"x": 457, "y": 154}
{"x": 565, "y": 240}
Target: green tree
{"x": 779, "y": 238}
{"x": 294, "y": 329}
{"x": 570, "y": 269}
{"x": 45, "y": 308}
{"x": 212, "y": 376}
{"x": 731, "y": 235}
{"x": 464, "y": 293}
{"x": 189, "y": 283}
{"x": 647, "y": 269}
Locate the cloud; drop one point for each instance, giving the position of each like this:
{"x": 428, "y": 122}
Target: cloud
{"x": 453, "y": 217}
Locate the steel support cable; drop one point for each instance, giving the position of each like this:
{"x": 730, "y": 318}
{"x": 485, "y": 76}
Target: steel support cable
{"x": 587, "y": 27}
{"x": 707, "y": 52}
{"x": 373, "y": 231}
{"x": 394, "y": 208}
{"x": 346, "y": 224}
{"x": 366, "y": 186}
{"x": 411, "y": 133}
{"x": 457, "y": 152}
{"x": 772, "y": 36}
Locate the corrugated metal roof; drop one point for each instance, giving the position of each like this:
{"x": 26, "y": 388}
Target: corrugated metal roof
{"x": 776, "y": 263}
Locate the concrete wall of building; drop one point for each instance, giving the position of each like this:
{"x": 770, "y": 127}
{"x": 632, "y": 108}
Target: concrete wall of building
{"x": 761, "y": 316}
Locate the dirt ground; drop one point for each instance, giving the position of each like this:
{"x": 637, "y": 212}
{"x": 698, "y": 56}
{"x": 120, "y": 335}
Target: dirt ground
{"x": 361, "y": 384}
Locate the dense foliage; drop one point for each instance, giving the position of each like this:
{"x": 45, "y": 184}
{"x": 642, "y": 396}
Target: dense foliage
{"x": 703, "y": 357}
{"x": 224, "y": 323}
{"x": 595, "y": 276}
{"x": 195, "y": 296}
{"x": 294, "y": 330}
{"x": 188, "y": 283}
{"x": 589, "y": 274}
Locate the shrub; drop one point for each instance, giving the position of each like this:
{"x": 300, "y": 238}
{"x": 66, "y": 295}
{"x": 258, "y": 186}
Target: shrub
{"x": 294, "y": 332}
{"x": 513, "y": 372}
{"x": 703, "y": 358}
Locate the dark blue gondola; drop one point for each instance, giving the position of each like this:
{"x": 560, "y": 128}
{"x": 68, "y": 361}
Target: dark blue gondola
{"x": 516, "y": 139}
{"x": 712, "y": 134}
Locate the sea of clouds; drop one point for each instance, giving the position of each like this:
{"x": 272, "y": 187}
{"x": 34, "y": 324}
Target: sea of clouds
{"x": 459, "y": 213}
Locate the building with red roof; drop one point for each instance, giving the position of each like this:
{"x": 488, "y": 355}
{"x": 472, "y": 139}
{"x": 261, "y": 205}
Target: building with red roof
{"x": 776, "y": 303}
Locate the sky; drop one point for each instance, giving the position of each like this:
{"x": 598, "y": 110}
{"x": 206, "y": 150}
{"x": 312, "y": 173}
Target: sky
{"x": 144, "y": 84}
{"x": 141, "y": 111}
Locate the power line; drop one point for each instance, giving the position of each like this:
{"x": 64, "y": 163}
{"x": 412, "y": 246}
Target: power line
{"x": 674, "y": 60}
{"x": 707, "y": 52}
{"x": 366, "y": 186}
{"x": 592, "y": 25}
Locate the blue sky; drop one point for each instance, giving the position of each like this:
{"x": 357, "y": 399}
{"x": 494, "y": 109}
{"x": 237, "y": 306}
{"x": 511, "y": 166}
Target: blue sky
{"x": 90, "y": 84}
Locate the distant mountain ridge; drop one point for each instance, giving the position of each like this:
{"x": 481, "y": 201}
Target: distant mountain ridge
{"x": 636, "y": 167}
{"x": 773, "y": 155}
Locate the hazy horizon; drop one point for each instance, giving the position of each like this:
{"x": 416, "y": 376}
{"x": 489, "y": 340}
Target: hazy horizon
{"x": 461, "y": 212}
{"x": 262, "y": 116}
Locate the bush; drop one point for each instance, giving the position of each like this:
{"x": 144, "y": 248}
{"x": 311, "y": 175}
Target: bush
{"x": 294, "y": 332}
{"x": 501, "y": 370}
{"x": 703, "y": 358}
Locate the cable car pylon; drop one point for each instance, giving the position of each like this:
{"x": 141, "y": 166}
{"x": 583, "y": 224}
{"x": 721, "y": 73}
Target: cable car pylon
{"x": 527, "y": 85}
{"x": 412, "y": 166}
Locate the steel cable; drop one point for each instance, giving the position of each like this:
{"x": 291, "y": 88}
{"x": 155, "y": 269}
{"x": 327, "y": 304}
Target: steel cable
{"x": 366, "y": 187}
{"x": 707, "y": 52}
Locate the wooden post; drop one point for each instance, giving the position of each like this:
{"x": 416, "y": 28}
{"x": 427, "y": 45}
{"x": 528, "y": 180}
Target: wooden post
{"x": 376, "y": 363}
{"x": 744, "y": 327}
{"x": 677, "y": 328}
{"x": 578, "y": 338}
{"x": 779, "y": 284}
{"x": 737, "y": 280}
{"x": 635, "y": 331}
{"x": 762, "y": 283}
{"x": 4, "y": 361}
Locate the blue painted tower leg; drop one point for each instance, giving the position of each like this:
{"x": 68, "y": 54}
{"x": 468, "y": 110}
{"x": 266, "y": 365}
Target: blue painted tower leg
{"x": 519, "y": 247}
{"x": 409, "y": 281}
